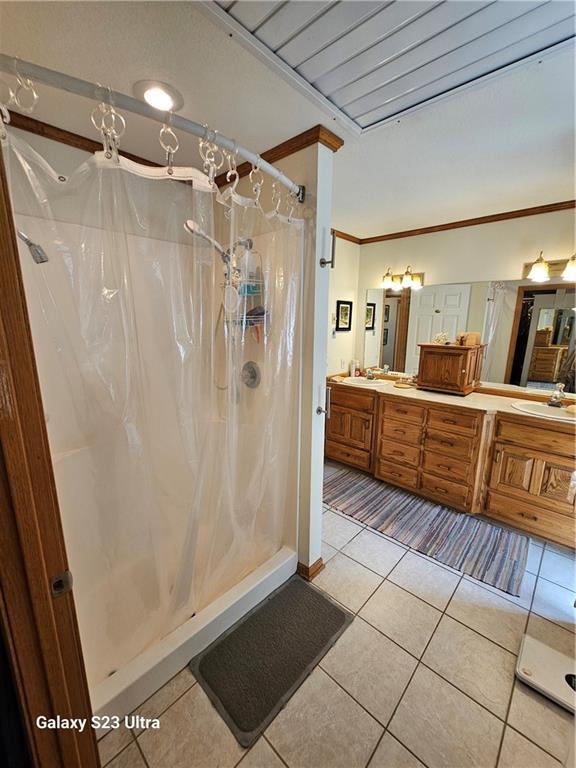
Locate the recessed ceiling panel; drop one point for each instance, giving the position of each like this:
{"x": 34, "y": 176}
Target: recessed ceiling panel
{"x": 370, "y": 61}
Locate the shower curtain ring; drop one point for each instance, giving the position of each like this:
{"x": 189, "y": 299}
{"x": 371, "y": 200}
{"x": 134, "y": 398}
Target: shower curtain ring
{"x": 25, "y": 86}
{"x": 170, "y": 144}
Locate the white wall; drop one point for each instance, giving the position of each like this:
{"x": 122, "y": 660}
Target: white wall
{"x": 484, "y": 252}
{"x": 344, "y": 287}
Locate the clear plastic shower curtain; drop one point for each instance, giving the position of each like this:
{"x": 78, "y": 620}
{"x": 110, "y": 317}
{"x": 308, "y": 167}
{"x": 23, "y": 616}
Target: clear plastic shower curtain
{"x": 170, "y": 382}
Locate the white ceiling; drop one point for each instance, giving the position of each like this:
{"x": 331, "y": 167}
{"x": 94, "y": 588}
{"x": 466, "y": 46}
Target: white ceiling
{"x": 504, "y": 142}
{"x": 374, "y": 60}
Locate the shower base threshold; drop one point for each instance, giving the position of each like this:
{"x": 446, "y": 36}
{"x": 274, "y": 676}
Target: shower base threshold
{"x": 121, "y": 693}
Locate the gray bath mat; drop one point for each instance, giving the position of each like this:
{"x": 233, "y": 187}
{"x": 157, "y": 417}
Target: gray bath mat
{"x": 251, "y": 671}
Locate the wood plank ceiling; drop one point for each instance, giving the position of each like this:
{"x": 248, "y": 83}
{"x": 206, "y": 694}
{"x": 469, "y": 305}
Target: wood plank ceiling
{"x": 375, "y": 60}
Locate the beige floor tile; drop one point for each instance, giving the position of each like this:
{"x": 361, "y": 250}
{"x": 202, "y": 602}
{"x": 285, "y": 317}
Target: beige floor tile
{"x": 328, "y": 552}
{"x": 323, "y": 727}
{"x": 489, "y": 614}
{"x": 113, "y": 742}
{"x": 191, "y": 735}
{"x": 443, "y": 727}
{"x": 472, "y": 663}
{"x": 167, "y": 695}
{"x": 555, "y": 603}
{"x": 404, "y": 618}
{"x": 561, "y": 549}
{"x": 518, "y": 752}
{"x": 371, "y": 668}
{"x": 547, "y": 632}
{"x": 129, "y": 758}
{"x": 391, "y": 754}
{"x": 542, "y": 721}
{"x": 261, "y": 755}
{"x": 375, "y": 552}
{"x": 535, "y": 551}
{"x": 337, "y": 531}
{"x": 347, "y": 581}
{"x": 425, "y": 579}
{"x": 524, "y": 599}
{"x": 559, "y": 569}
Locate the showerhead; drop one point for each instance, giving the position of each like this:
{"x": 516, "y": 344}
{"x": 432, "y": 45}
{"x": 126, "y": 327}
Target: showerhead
{"x": 36, "y": 251}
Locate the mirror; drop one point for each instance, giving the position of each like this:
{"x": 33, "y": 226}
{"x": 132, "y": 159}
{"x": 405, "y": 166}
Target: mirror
{"x": 529, "y": 328}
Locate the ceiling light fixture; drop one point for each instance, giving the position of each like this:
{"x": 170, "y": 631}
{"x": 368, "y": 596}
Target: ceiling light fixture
{"x": 569, "y": 273}
{"x": 540, "y": 270}
{"x": 159, "y": 95}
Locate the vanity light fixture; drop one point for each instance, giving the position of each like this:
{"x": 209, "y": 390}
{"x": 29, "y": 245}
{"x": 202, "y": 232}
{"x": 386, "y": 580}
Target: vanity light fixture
{"x": 159, "y": 95}
{"x": 569, "y": 273}
{"x": 387, "y": 280}
{"x": 407, "y": 279}
{"x": 540, "y": 270}
{"x": 416, "y": 282}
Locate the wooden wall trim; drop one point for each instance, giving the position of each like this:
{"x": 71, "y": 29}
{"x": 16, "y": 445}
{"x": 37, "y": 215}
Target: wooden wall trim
{"x": 316, "y": 135}
{"x": 30, "y": 124}
{"x": 46, "y": 655}
{"x": 490, "y": 219}
{"x": 346, "y": 236}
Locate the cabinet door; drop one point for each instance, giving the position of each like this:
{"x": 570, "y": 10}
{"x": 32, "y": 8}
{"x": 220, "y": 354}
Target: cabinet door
{"x": 548, "y": 482}
{"x": 555, "y": 482}
{"x": 338, "y": 425}
{"x": 360, "y": 430}
{"x": 442, "y": 369}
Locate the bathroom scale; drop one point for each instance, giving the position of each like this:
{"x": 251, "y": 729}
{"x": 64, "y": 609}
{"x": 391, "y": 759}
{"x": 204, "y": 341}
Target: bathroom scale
{"x": 548, "y": 671}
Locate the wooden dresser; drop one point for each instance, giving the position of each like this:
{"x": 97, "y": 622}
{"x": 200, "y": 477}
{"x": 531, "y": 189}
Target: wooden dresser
{"x": 546, "y": 363}
{"x": 532, "y": 476}
{"x": 433, "y": 450}
{"x": 350, "y": 428}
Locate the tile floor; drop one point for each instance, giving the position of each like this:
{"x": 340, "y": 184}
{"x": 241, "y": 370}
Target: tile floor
{"x": 424, "y": 675}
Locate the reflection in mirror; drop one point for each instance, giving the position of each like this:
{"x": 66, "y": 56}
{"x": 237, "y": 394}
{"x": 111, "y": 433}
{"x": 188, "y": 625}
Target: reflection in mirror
{"x": 529, "y": 329}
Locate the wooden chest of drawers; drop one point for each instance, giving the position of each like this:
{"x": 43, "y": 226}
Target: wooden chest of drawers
{"x": 432, "y": 450}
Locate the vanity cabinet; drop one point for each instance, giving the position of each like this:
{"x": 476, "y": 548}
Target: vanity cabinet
{"x": 433, "y": 450}
{"x": 450, "y": 367}
{"x": 533, "y": 477}
{"x": 350, "y": 427}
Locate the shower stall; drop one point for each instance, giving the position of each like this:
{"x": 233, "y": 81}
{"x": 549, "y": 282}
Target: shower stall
{"x": 166, "y": 319}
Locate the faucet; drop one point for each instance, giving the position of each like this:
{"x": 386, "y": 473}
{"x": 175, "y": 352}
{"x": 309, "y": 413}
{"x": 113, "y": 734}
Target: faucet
{"x": 557, "y": 396}
{"x": 369, "y": 374}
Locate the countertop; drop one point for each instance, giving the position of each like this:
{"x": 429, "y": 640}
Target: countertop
{"x": 475, "y": 400}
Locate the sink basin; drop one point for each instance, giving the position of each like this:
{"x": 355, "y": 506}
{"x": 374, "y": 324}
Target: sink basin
{"x": 362, "y": 381}
{"x": 543, "y": 410}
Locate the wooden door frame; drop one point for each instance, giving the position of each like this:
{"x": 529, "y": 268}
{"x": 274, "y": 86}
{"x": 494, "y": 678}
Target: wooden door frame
{"x": 522, "y": 291}
{"x": 41, "y": 630}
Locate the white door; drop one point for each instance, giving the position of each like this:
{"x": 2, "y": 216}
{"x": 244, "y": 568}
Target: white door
{"x": 433, "y": 309}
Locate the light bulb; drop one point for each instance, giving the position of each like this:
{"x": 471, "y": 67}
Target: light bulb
{"x": 569, "y": 273}
{"x": 540, "y": 271}
{"x": 407, "y": 278}
{"x": 161, "y": 96}
{"x": 159, "y": 99}
{"x": 416, "y": 282}
{"x": 396, "y": 285}
{"x": 387, "y": 281}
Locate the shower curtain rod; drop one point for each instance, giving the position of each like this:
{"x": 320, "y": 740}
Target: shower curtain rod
{"x": 63, "y": 82}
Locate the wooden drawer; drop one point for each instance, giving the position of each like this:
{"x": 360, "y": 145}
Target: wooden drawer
{"x": 446, "y": 491}
{"x": 396, "y": 409}
{"x": 454, "y": 421}
{"x": 449, "y": 444}
{"x": 530, "y": 518}
{"x": 446, "y": 467}
{"x": 347, "y": 454}
{"x": 401, "y": 431}
{"x": 555, "y": 437}
{"x": 351, "y": 397}
{"x": 397, "y": 475}
{"x": 392, "y": 450}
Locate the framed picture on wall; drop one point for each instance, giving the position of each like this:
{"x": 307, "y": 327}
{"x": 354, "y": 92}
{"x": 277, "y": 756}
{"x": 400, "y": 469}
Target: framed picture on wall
{"x": 385, "y": 337}
{"x": 386, "y": 313}
{"x": 370, "y": 316}
{"x": 343, "y": 315}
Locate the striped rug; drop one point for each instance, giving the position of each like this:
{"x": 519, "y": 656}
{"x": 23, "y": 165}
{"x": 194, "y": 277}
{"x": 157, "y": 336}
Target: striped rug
{"x": 494, "y": 555}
